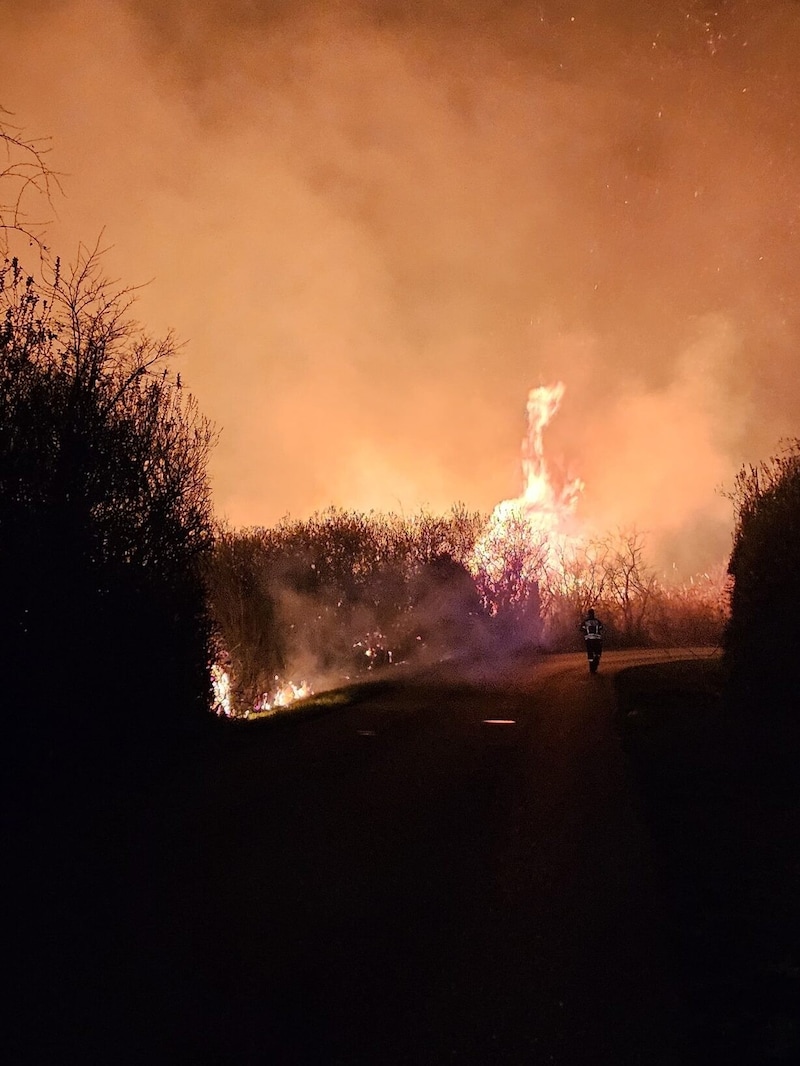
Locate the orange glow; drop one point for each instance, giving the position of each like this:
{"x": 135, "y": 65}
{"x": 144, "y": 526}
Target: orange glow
{"x": 376, "y": 225}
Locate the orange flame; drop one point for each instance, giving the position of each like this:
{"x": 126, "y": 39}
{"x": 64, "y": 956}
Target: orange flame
{"x": 284, "y": 694}
{"x": 268, "y": 703}
{"x": 539, "y": 499}
{"x": 221, "y": 691}
{"x": 541, "y": 513}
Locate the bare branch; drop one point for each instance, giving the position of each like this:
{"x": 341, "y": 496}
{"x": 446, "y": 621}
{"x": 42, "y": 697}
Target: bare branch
{"x": 25, "y": 176}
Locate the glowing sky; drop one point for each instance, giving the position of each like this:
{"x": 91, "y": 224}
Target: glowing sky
{"x": 378, "y": 224}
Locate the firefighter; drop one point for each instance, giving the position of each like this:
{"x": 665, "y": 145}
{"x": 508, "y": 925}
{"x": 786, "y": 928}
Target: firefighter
{"x": 592, "y": 629}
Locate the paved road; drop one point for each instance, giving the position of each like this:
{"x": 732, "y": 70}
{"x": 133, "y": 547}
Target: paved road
{"x": 402, "y": 882}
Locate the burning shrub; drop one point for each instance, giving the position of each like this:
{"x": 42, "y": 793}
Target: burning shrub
{"x": 342, "y": 593}
{"x": 249, "y": 650}
{"x": 509, "y": 564}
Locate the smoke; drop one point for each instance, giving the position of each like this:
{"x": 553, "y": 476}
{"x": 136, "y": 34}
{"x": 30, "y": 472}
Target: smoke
{"x": 657, "y": 459}
{"x": 377, "y": 225}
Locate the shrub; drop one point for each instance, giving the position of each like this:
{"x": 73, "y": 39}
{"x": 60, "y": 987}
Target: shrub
{"x": 104, "y": 516}
{"x": 765, "y": 566}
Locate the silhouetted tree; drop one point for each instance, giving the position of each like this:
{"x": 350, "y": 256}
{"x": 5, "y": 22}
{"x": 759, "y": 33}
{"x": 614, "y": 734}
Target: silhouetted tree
{"x": 765, "y": 566}
{"x": 629, "y": 585}
{"x": 575, "y": 579}
{"x": 104, "y": 516}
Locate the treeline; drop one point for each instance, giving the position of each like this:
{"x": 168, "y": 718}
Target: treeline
{"x": 339, "y": 594}
{"x": 344, "y": 592}
{"x": 760, "y": 646}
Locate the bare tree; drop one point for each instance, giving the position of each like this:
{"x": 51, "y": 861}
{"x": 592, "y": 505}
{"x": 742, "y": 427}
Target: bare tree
{"x": 576, "y": 578}
{"x": 250, "y": 642}
{"x": 631, "y": 583}
{"x": 25, "y": 176}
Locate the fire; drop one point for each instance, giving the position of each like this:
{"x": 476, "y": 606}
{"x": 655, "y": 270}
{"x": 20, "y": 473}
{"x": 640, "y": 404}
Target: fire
{"x": 542, "y": 515}
{"x": 540, "y": 500}
{"x": 282, "y": 695}
{"x": 523, "y": 541}
{"x": 374, "y": 649}
{"x": 221, "y": 689}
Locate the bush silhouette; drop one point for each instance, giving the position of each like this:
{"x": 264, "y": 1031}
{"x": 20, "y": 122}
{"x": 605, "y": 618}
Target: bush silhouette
{"x": 765, "y": 566}
{"x": 104, "y": 517}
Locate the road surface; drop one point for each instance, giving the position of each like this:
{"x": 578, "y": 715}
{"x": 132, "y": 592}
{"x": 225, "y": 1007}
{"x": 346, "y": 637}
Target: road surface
{"x": 441, "y": 873}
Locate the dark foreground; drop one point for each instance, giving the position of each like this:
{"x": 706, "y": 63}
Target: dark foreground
{"x": 401, "y": 882}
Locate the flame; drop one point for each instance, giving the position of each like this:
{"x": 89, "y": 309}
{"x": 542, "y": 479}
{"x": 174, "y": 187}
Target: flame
{"x": 542, "y": 515}
{"x": 221, "y": 689}
{"x": 527, "y": 532}
{"x": 540, "y": 499}
{"x": 284, "y": 694}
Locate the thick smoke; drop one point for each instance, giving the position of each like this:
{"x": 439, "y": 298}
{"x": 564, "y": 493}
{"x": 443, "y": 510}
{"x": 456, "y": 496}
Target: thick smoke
{"x": 377, "y": 225}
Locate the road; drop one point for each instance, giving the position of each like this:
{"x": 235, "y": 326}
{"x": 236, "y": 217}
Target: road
{"x": 402, "y": 881}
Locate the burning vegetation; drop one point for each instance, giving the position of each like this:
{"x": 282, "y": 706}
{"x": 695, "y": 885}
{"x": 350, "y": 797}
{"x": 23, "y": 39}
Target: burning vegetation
{"x": 330, "y": 599}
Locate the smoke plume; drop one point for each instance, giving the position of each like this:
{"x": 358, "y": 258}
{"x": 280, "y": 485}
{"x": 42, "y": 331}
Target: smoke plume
{"x": 378, "y": 225}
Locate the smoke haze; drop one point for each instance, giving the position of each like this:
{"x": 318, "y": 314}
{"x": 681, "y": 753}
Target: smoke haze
{"x": 377, "y": 225}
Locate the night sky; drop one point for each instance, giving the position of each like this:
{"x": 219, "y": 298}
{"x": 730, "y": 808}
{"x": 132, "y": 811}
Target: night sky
{"x": 377, "y": 225}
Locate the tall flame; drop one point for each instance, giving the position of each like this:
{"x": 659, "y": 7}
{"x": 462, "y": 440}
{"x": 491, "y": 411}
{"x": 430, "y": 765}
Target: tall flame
{"x": 542, "y": 514}
{"x": 549, "y": 509}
